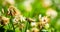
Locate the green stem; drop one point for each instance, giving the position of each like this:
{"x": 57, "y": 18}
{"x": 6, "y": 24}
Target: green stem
{"x": 12, "y": 23}
{"x": 27, "y": 26}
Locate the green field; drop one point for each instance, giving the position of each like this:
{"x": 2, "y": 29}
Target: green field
{"x": 29, "y": 15}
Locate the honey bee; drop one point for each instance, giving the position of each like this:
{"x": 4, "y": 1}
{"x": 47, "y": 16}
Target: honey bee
{"x": 30, "y": 20}
{"x": 13, "y": 11}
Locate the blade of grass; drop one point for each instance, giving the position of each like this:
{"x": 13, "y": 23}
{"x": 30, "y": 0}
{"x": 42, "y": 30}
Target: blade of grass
{"x": 12, "y": 23}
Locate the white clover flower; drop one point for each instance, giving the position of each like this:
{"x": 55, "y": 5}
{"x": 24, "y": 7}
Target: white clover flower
{"x": 35, "y": 30}
{"x": 5, "y": 20}
{"x": 19, "y": 18}
{"x": 44, "y": 19}
{"x": 27, "y": 30}
{"x": 15, "y": 20}
{"x": 51, "y": 12}
{"x": 27, "y": 5}
{"x": 33, "y": 24}
{"x": 47, "y": 3}
{"x": 22, "y": 18}
{"x": 10, "y": 1}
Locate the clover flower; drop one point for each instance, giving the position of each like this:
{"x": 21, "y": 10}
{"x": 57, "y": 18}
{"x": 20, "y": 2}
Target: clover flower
{"x": 51, "y": 12}
{"x": 4, "y": 21}
{"x": 46, "y": 3}
{"x": 35, "y": 30}
{"x": 33, "y": 24}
